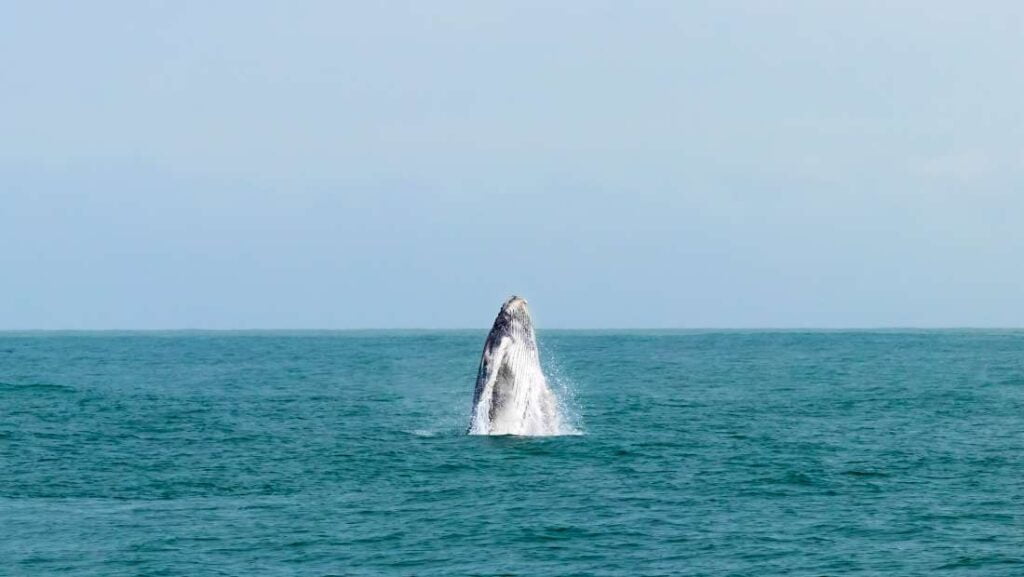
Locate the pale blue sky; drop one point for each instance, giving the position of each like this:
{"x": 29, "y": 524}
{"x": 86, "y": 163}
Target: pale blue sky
{"x": 359, "y": 164}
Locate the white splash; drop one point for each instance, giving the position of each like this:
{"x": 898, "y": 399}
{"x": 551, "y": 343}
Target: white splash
{"x": 564, "y": 389}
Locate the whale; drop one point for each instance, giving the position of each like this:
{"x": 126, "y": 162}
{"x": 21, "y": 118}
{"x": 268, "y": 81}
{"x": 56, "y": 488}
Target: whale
{"x": 512, "y": 396}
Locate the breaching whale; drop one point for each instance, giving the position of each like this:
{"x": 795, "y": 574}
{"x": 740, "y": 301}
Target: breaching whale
{"x": 512, "y": 396}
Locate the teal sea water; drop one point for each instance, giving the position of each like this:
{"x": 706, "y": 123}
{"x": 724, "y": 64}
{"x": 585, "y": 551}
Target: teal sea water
{"x": 701, "y": 453}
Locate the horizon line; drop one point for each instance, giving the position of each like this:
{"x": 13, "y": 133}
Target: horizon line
{"x": 575, "y": 329}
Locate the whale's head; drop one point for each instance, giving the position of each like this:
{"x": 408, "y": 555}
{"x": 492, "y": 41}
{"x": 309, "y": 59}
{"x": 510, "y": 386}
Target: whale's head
{"x": 514, "y": 321}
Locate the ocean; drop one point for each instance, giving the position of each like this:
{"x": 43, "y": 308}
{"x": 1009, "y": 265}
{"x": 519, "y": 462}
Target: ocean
{"x": 718, "y": 453}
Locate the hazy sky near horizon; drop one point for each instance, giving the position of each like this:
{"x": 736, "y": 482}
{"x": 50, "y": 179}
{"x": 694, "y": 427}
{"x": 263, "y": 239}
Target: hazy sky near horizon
{"x": 411, "y": 164}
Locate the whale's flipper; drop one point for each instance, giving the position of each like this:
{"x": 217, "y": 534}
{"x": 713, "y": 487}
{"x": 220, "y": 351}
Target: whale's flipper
{"x": 483, "y": 395}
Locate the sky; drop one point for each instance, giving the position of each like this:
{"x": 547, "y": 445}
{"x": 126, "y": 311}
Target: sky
{"x": 334, "y": 165}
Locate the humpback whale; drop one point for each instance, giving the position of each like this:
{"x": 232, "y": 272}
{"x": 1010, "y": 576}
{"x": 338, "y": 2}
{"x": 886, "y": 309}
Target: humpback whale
{"x": 512, "y": 396}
